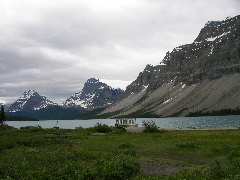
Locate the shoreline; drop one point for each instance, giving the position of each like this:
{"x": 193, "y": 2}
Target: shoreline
{"x": 141, "y": 129}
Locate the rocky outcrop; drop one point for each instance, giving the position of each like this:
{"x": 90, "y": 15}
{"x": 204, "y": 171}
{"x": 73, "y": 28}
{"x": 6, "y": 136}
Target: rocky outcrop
{"x": 94, "y": 94}
{"x": 184, "y": 74}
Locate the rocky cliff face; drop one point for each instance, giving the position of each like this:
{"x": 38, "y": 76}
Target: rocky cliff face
{"x": 209, "y": 67}
{"x": 94, "y": 94}
{"x": 214, "y": 53}
{"x": 30, "y": 100}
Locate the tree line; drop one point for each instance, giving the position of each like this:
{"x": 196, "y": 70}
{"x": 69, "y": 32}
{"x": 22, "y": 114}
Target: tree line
{"x": 221, "y": 112}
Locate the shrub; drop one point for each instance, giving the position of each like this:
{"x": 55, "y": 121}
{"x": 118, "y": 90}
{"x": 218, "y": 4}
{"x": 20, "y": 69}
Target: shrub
{"x": 6, "y": 127}
{"x": 102, "y": 128}
{"x": 128, "y": 149}
{"x": 6, "y": 143}
{"x": 120, "y": 130}
{"x": 117, "y": 167}
{"x": 125, "y": 145}
{"x": 150, "y": 127}
{"x": 32, "y": 128}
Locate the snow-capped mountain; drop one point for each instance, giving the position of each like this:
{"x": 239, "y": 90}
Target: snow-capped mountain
{"x": 30, "y": 100}
{"x": 95, "y": 94}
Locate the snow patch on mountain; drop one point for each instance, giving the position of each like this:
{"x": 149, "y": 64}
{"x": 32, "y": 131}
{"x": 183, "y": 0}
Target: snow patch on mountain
{"x": 217, "y": 37}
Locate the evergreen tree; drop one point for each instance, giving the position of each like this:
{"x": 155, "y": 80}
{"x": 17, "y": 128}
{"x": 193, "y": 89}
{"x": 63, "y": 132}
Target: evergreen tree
{"x": 2, "y": 116}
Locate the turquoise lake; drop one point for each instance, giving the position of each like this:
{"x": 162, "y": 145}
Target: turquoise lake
{"x": 170, "y": 122}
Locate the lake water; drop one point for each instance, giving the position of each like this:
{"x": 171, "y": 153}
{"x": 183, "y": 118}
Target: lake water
{"x": 176, "y": 122}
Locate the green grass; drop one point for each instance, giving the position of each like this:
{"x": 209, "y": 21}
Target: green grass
{"x": 78, "y": 154}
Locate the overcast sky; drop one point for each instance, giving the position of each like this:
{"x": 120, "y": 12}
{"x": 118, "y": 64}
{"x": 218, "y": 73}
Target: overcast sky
{"x": 54, "y": 46}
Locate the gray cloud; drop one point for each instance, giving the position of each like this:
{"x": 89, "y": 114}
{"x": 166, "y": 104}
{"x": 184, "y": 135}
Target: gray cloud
{"x": 54, "y": 46}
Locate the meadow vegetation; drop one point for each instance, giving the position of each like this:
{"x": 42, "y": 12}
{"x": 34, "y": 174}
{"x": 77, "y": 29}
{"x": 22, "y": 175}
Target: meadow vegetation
{"x": 36, "y": 153}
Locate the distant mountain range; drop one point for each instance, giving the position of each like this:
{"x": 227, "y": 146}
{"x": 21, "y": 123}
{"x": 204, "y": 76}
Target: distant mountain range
{"x": 199, "y": 77}
{"x": 94, "y": 95}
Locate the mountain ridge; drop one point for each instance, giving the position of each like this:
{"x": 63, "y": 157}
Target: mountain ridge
{"x": 94, "y": 95}
{"x": 189, "y": 69}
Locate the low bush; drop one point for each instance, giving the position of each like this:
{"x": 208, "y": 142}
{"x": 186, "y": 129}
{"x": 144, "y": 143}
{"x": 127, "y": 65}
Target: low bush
{"x": 102, "y": 128}
{"x": 42, "y": 167}
{"x": 117, "y": 167}
{"x": 6, "y": 143}
{"x": 120, "y": 130}
{"x": 150, "y": 127}
{"x": 125, "y": 145}
{"x": 32, "y": 128}
{"x": 6, "y": 127}
{"x": 128, "y": 149}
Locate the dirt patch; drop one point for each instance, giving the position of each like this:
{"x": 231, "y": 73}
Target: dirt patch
{"x": 166, "y": 168}
{"x": 132, "y": 129}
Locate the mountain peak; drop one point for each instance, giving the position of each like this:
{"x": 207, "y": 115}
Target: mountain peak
{"x": 217, "y": 29}
{"x": 95, "y": 94}
{"x": 30, "y": 100}
{"x": 28, "y": 94}
{"x": 93, "y": 80}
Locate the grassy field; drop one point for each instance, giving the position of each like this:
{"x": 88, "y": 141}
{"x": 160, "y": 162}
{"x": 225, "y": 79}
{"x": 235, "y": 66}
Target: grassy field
{"x": 35, "y": 153}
